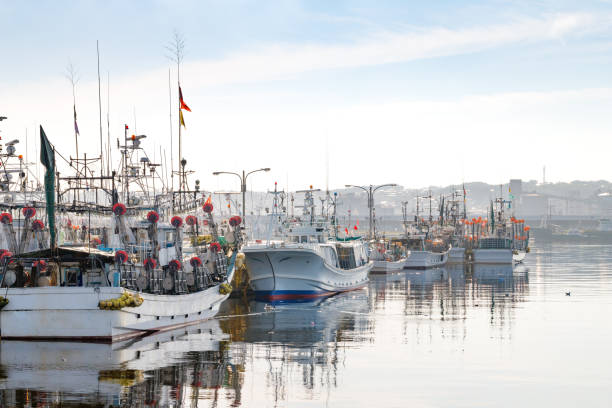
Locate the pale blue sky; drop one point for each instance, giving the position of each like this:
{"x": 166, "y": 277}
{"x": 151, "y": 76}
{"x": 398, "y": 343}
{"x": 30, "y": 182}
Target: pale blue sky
{"x": 424, "y": 93}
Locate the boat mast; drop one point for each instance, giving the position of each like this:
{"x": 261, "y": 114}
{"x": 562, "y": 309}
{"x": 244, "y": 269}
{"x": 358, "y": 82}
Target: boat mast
{"x": 108, "y": 144}
{"x": 100, "y": 111}
{"x": 171, "y": 141}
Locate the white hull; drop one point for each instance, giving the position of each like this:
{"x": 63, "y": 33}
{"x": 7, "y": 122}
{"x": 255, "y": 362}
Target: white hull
{"x": 426, "y": 259}
{"x": 456, "y": 255}
{"x": 72, "y": 313}
{"x": 294, "y": 273}
{"x": 388, "y": 266}
{"x": 492, "y": 256}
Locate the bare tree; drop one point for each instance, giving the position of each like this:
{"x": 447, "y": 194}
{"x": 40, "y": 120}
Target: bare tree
{"x": 176, "y": 52}
{"x": 73, "y": 77}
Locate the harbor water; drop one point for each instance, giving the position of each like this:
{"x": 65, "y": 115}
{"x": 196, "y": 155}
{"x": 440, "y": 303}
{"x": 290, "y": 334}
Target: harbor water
{"x": 536, "y": 335}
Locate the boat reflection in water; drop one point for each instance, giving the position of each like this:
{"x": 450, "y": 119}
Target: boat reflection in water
{"x": 453, "y": 291}
{"x": 255, "y": 354}
{"x": 296, "y": 349}
{"x": 160, "y": 370}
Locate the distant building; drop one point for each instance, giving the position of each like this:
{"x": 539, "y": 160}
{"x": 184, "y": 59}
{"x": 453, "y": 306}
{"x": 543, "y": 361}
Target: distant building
{"x": 533, "y": 204}
{"x": 516, "y": 187}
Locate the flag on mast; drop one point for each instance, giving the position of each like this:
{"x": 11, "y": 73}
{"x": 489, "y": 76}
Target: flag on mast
{"x": 182, "y": 121}
{"x": 182, "y": 102}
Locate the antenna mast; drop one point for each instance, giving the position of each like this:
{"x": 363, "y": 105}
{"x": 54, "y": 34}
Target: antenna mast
{"x": 100, "y": 111}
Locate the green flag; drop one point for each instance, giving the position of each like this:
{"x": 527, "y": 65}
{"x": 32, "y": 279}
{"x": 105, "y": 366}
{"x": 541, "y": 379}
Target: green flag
{"x": 492, "y": 218}
{"x": 47, "y": 158}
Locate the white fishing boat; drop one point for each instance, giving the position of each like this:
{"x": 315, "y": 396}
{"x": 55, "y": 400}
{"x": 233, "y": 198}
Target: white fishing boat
{"x": 386, "y": 256}
{"x": 305, "y": 269}
{"x": 305, "y": 262}
{"x": 424, "y": 256}
{"x": 66, "y": 313}
{"x": 426, "y": 259}
{"x": 456, "y": 255}
{"x": 388, "y": 266}
{"x": 493, "y": 250}
{"x": 85, "y": 294}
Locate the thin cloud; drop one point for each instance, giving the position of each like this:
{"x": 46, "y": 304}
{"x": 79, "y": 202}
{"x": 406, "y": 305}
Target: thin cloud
{"x": 280, "y": 61}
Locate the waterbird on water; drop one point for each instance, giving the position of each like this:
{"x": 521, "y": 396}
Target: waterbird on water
{"x": 568, "y": 293}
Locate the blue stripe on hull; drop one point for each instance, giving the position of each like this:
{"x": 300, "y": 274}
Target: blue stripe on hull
{"x": 290, "y": 295}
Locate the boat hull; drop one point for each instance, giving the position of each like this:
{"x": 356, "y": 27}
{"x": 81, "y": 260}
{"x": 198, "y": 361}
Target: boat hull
{"x": 426, "y": 259}
{"x": 299, "y": 274}
{"x": 492, "y": 256}
{"x": 72, "y": 313}
{"x": 388, "y": 266}
{"x": 456, "y": 255}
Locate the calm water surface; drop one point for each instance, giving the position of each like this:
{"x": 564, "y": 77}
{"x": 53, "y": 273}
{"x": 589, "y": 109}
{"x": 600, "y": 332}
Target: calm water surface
{"x": 479, "y": 337}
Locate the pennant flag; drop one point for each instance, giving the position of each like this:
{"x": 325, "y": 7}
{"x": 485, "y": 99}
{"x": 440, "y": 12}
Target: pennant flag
{"x": 47, "y": 158}
{"x": 182, "y": 121}
{"x": 182, "y": 102}
{"x": 208, "y": 200}
{"x": 76, "y": 127}
{"x": 346, "y": 230}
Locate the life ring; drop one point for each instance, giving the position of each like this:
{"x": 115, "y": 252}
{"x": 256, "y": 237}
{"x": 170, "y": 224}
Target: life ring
{"x": 150, "y": 263}
{"x": 208, "y": 208}
{"x": 195, "y": 262}
{"x": 6, "y": 218}
{"x": 176, "y": 221}
{"x": 121, "y": 257}
{"x": 119, "y": 209}
{"x": 152, "y": 217}
{"x": 28, "y": 212}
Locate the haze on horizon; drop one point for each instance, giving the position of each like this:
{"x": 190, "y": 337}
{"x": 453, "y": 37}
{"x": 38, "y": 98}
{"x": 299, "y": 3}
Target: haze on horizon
{"x": 414, "y": 94}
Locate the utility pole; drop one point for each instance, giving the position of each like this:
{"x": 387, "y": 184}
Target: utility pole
{"x": 243, "y": 185}
{"x": 370, "y": 190}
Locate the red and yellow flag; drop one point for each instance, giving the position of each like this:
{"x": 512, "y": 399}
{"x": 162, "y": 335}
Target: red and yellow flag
{"x": 182, "y": 121}
{"x": 182, "y": 102}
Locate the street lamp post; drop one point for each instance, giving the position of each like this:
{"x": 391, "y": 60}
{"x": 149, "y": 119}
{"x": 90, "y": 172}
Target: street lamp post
{"x": 243, "y": 185}
{"x": 370, "y": 190}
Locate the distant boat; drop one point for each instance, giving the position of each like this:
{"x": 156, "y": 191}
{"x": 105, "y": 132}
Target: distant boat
{"x": 493, "y": 250}
{"x": 386, "y": 257}
{"x": 422, "y": 257}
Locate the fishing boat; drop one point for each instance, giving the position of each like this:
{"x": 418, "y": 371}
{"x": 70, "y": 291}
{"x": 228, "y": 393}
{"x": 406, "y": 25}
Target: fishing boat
{"x": 426, "y": 243}
{"x": 387, "y": 255}
{"x": 493, "y": 250}
{"x": 424, "y": 256}
{"x": 305, "y": 261}
{"x": 456, "y": 254}
{"x": 499, "y": 240}
{"x": 71, "y": 293}
{"x": 139, "y": 282}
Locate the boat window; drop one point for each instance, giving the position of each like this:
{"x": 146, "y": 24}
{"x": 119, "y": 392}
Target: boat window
{"x": 330, "y": 256}
{"x": 346, "y": 257}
